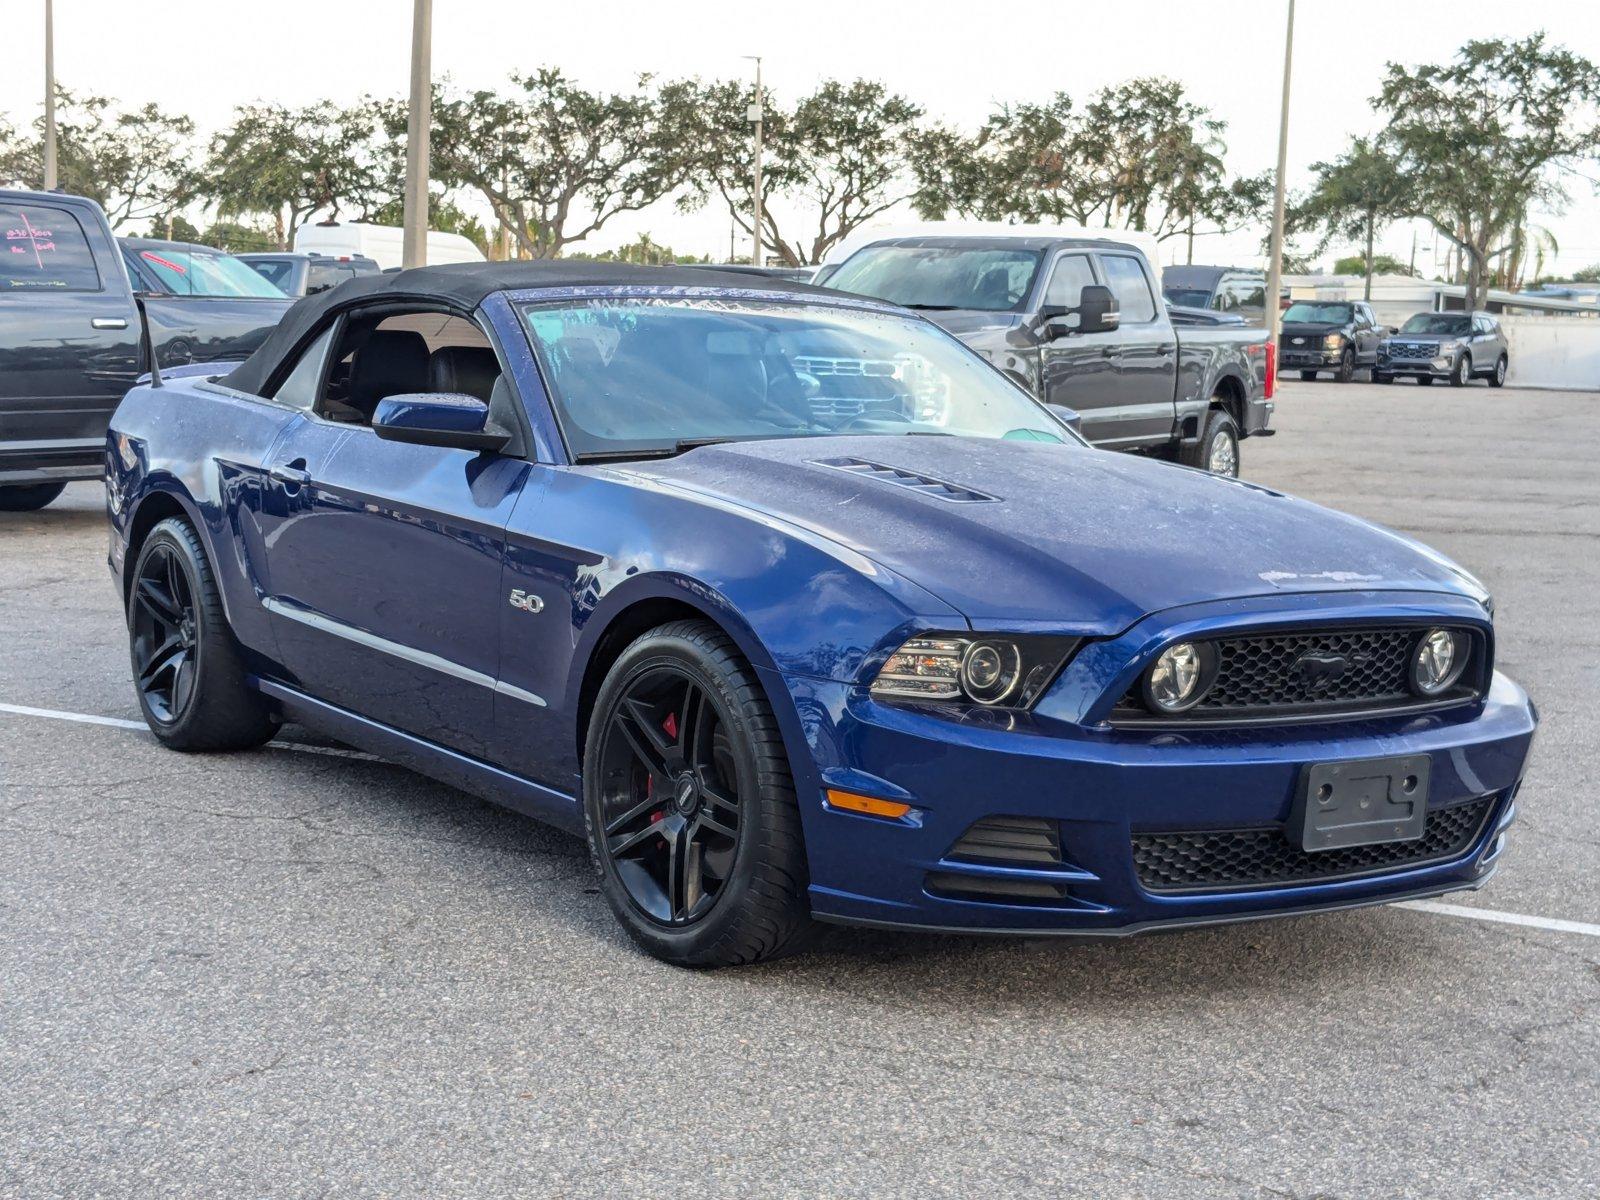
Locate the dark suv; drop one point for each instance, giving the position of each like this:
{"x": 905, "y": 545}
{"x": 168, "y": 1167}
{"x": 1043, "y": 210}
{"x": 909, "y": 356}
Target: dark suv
{"x": 1453, "y": 346}
{"x": 1329, "y": 335}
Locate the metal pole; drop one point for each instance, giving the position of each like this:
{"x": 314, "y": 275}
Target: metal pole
{"x": 419, "y": 120}
{"x": 49, "y": 95}
{"x": 1275, "y": 266}
{"x": 756, "y": 113}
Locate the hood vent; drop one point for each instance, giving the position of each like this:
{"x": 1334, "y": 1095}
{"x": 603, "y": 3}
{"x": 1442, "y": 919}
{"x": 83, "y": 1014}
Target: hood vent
{"x": 927, "y": 485}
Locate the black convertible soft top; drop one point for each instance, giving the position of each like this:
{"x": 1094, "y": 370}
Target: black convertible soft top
{"x": 464, "y": 286}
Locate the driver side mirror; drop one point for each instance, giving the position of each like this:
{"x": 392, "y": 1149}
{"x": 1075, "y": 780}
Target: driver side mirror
{"x": 1097, "y": 312}
{"x": 450, "y": 419}
{"x": 1070, "y": 417}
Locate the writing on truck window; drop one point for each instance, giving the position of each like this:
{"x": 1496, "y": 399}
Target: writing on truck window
{"x": 44, "y": 248}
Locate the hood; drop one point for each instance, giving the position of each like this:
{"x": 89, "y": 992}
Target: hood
{"x": 1312, "y": 328}
{"x": 1431, "y": 338}
{"x": 1059, "y": 537}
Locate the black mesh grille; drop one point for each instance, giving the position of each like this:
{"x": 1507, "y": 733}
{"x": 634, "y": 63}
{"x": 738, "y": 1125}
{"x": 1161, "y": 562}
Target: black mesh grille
{"x": 1260, "y": 674}
{"x": 1246, "y": 858}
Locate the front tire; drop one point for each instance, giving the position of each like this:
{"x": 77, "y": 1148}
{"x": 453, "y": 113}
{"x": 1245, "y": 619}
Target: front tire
{"x": 689, "y": 803}
{"x": 1308, "y": 376}
{"x": 1347, "y": 366}
{"x": 1462, "y": 375}
{"x": 1382, "y": 377}
{"x": 1217, "y": 450}
{"x": 1424, "y": 380}
{"x": 1498, "y": 379}
{"x": 29, "y": 497}
{"x": 187, "y": 669}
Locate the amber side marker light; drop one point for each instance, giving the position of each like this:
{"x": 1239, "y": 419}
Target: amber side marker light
{"x": 873, "y": 807}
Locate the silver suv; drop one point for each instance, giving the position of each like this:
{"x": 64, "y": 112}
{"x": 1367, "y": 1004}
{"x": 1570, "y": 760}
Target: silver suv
{"x": 1453, "y": 346}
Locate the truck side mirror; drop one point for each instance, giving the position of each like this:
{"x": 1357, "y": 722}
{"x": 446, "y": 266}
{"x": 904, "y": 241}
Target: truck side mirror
{"x": 1096, "y": 313}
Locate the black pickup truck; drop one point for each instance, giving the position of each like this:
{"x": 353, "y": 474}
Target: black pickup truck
{"x": 75, "y": 334}
{"x": 1080, "y": 323}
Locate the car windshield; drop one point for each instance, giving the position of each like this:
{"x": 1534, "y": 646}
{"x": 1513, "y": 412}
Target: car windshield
{"x": 1317, "y": 314}
{"x": 641, "y": 377}
{"x": 1187, "y": 297}
{"x": 206, "y": 273}
{"x": 275, "y": 271}
{"x": 1437, "y": 323}
{"x": 992, "y": 280}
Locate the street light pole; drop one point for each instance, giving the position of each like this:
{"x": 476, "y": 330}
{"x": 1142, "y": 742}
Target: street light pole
{"x": 420, "y": 118}
{"x": 755, "y": 114}
{"x": 49, "y": 95}
{"x": 1275, "y": 243}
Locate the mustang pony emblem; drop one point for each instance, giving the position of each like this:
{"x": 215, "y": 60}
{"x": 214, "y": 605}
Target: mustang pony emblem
{"x": 1320, "y": 671}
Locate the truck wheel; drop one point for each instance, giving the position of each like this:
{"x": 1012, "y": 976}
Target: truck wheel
{"x": 186, "y": 666}
{"x": 1217, "y": 450}
{"x": 1382, "y": 377}
{"x": 1498, "y": 379}
{"x": 1308, "y": 376}
{"x": 1462, "y": 375}
{"x": 1347, "y": 366}
{"x": 29, "y": 497}
{"x": 1424, "y": 380}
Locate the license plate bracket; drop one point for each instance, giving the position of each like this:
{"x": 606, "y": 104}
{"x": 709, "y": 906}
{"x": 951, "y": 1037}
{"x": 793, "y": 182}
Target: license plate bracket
{"x": 1361, "y": 803}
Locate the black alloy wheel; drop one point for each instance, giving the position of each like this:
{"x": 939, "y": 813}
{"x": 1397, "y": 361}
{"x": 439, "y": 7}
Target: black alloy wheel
{"x": 188, "y": 669}
{"x": 689, "y": 803}
{"x": 166, "y": 653}
{"x": 671, "y": 795}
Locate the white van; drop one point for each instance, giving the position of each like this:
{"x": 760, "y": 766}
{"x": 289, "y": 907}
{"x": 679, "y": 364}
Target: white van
{"x": 382, "y": 243}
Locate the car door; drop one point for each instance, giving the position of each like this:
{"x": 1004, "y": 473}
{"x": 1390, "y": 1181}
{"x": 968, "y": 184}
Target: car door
{"x": 1366, "y": 334}
{"x": 386, "y": 580}
{"x": 1075, "y": 369}
{"x": 1144, "y": 354}
{"x": 69, "y": 336}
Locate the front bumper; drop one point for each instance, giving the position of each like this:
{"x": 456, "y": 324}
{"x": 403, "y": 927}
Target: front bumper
{"x": 1439, "y": 367}
{"x": 1308, "y": 358}
{"x": 1100, "y": 788}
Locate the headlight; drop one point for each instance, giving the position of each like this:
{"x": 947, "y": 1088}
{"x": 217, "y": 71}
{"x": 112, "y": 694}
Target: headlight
{"x": 1333, "y": 341}
{"x": 1447, "y": 348}
{"x": 1438, "y": 661}
{"x": 1180, "y": 677}
{"x": 1008, "y": 671}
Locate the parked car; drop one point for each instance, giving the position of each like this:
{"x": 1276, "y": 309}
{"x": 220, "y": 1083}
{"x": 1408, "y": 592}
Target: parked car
{"x": 606, "y": 552}
{"x": 1455, "y": 346}
{"x": 1205, "y": 318}
{"x": 1077, "y": 322}
{"x": 1237, "y": 290}
{"x": 203, "y": 305}
{"x": 73, "y": 337}
{"x": 384, "y": 244}
{"x": 1329, "y": 335}
{"x": 296, "y": 274}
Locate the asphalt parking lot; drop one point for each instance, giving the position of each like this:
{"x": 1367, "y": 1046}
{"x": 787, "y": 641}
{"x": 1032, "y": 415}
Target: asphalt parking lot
{"x": 301, "y": 972}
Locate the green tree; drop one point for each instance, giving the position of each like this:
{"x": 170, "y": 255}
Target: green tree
{"x": 1487, "y": 136}
{"x": 288, "y": 164}
{"x": 1589, "y": 274}
{"x": 835, "y": 160}
{"x": 553, "y": 160}
{"x": 1378, "y": 264}
{"x": 1139, "y": 155}
{"x": 133, "y": 162}
{"x": 1352, "y": 197}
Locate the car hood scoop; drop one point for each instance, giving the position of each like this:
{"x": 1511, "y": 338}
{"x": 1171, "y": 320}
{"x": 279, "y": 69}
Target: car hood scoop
{"x": 1066, "y": 537}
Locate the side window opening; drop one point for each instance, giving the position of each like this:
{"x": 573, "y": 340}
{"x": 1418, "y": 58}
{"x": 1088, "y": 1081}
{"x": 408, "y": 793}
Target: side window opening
{"x": 1070, "y": 275}
{"x": 405, "y": 353}
{"x": 1126, "y": 278}
{"x": 299, "y": 388}
{"x": 43, "y": 249}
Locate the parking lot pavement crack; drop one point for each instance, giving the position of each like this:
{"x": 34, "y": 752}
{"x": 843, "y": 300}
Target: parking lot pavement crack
{"x": 225, "y": 1080}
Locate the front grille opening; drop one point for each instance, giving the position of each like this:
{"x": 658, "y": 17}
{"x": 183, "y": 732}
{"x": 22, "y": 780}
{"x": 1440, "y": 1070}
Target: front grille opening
{"x": 1011, "y": 841}
{"x": 957, "y": 886}
{"x": 1235, "y": 859}
{"x": 1267, "y": 675}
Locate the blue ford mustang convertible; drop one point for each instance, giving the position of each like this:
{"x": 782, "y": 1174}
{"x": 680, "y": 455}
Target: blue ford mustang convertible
{"x": 796, "y": 608}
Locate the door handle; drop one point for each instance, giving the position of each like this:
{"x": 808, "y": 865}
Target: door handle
{"x": 1108, "y": 351}
{"x": 292, "y": 473}
{"x": 108, "y": 322}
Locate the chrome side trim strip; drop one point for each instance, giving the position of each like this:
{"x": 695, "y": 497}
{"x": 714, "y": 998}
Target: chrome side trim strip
{"x": 421, "y": 658}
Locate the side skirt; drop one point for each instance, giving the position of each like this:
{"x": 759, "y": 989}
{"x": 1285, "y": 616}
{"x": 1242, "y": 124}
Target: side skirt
{"x": 430, "y": 759}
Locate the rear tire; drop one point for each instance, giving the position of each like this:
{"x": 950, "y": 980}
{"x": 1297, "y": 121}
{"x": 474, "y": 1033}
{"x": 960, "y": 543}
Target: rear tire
{"x": 1217, "y": 450}
{"x": 689, "y": 803}
{"x": 29, "y": 497}
{"x": 1424, "y": 380}
{"x": 1498, "y": 379}
{"x": 187, "y": 668}
{"x": 1382, "y": 377}
{"x": 1461, "y": 375}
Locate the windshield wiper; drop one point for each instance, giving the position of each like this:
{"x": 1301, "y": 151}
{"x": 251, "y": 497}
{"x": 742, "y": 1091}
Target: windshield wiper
{"x": 672, "y": 451}
{"x": 932, "y": 307}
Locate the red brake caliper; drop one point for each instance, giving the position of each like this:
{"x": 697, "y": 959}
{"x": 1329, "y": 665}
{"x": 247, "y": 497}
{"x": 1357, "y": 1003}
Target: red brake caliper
{"x": 670, "y": 727}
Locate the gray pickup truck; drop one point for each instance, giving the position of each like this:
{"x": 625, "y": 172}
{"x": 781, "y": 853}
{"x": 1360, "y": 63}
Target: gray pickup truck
{"x": 1080, "y": 323}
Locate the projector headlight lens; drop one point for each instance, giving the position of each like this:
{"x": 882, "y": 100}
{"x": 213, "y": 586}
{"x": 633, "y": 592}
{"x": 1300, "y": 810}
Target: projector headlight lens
{"x": 1010, "y": 672}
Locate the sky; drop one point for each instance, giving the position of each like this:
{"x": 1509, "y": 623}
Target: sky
{"x": 957, "y": 59}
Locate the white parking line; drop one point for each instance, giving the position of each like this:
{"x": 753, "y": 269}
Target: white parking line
{"x": 1554, "y": 924}
{"x": 55, "y": 714}
{"x": 1501, "y": 918}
